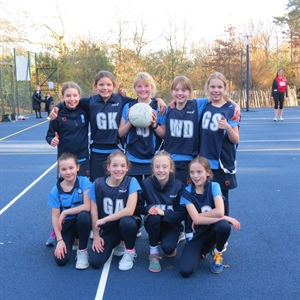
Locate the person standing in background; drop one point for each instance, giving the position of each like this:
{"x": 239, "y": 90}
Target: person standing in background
{"x": 36, "y": 102}
{"x": 279, "y": 89}
{"x": 49, "y": 102}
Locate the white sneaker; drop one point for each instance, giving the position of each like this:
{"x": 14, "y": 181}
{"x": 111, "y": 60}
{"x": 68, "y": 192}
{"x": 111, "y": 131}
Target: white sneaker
{"x": 275, "y": 119}
{"x": 82, "y": 259}
{"x": 120, "y": 249}
{"x": 181, "y": 237}
{"x": 139, "y": 233}
{"x": 126, "y": 263}
{"x": 281, "y": 119}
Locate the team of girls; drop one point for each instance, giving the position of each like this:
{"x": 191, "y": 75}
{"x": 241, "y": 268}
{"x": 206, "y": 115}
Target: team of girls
{"x": 161, "y": 191}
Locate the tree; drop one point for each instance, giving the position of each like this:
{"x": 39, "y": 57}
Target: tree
{"x": 227, "y": 57}
{"x": 290, "y": 24}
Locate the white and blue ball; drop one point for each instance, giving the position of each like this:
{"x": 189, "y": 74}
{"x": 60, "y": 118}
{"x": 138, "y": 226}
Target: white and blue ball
{"x": 140, "y": 115}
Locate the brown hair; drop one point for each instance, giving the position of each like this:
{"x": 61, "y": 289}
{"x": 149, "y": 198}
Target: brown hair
{"x": 117, "y": 153}
{"x": 106, "y": 74}
{"x": 70, "y": 85}
{"x": 282, "y": 72}
{"x": 184, "y": 81}
{"x": 65, "y": 156}
{"x": 203, "y": 162}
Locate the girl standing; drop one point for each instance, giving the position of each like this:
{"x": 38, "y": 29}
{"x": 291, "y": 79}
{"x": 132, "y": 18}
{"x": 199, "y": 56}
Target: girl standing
{"x": 69, "y": 131}
{"x": 279, "y": 90}
{"x": 219, "y": 136}
{"x": 207, "y": 227}
{"x": 142, "y": 143}
{"x": 70, "y": 212}
{"x": 182, "y": 129}
{"x": 114, "y": 199}
{"x": 163, "y": 213}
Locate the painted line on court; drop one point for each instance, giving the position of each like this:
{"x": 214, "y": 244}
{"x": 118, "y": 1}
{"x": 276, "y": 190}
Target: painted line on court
{"x": 267, "y": 141}
{"x": 8, "y": 136}
{"x": 26, "y": 153}
{"x": 24, "y": 191}
{"x": 103, "y": 279}
{"x": 268, "y": 150}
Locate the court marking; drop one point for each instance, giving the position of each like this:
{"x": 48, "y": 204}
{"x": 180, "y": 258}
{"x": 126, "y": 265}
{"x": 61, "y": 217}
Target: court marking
{"x": 8, "y": 136}
{"x": 268, "y": 150}
{"x": 103, "y": 278}
{"x": 267, "y": 141}
{"x": 25, "y": 190}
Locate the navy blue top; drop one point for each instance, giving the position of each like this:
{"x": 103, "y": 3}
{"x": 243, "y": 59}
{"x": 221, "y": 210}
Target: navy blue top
{"x": 165, "y": 197}
{"x": 215, "y": 144}
{"x": 182, "y": 130}
{"x": 72, "y": 128}
{"x": 109, "y": 199}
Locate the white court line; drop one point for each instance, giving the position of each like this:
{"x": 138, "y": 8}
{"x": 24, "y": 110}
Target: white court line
{"x": 24, "y": 191}
{"x": 106, "y": 267}
{"x": 268, "y": 141}
{"x": 103, "y": 279}
{"x": 268, "y": 150}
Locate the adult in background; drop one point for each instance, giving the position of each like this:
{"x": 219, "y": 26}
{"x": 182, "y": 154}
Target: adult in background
{"x": 36, "y": 102}
{"x": 49, "y": 103}
{"x": 279, "y": 89}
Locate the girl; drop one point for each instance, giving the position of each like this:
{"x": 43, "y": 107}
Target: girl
{"x": 69, "y": 132}
{"x": 70, "y": 212}
{"x": 279, "y": 89}
{"x": 163, "y": 214}
{"x": 114, "y": 200}
{"x": 206, "y": 225}
{"x": 220, "y": 136}
{"x": 142, "y": 143}
{"x": 181, "y": 138}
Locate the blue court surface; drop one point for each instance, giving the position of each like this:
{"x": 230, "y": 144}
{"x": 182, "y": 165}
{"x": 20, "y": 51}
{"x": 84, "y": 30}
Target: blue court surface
{"x": 262, "y": 259}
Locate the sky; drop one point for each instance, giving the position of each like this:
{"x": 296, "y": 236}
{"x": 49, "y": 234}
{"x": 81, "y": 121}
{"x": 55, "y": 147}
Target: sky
{"x": 206, "y": 19}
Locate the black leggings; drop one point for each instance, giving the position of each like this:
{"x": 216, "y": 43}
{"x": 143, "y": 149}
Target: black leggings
{"x": 217, "y": 234}
{"x": 76, "y": 228}
{"x": 225, "y": 194}
{"x": 97, "y": 165}
{"x": 158, "y": 230}
{"x": 126, "y": 231}
{"x": 278, "y": 97}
